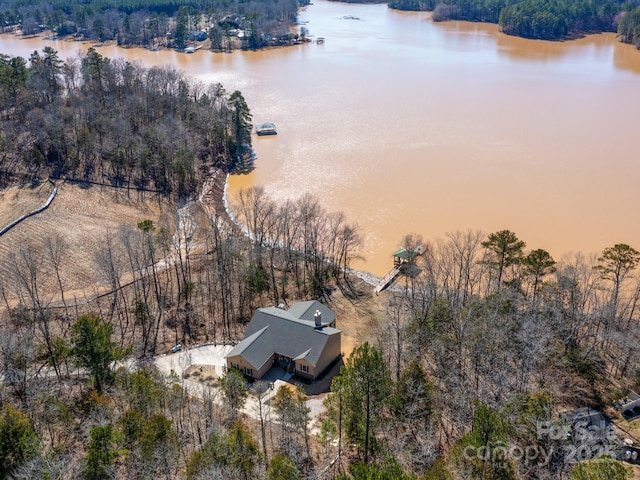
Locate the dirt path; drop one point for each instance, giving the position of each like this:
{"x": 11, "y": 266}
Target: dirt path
{"x": 18, "y": 201}
{"x": 32, "y": 212}
{"x": 213, "y": 199}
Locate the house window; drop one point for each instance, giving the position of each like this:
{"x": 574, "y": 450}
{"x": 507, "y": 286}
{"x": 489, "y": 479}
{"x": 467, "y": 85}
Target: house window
{"x": 304, "y": 368}
{"x": 248, "y": 371}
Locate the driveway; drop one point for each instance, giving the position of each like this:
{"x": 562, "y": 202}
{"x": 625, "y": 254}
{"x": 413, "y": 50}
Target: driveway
{"x": 213, "y": 355}
{"x": 205, "y": 355}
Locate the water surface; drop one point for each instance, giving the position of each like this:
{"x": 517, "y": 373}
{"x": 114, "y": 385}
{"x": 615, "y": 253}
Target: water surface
{"x": 410, "y": 126}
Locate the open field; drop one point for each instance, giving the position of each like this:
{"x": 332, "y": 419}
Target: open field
{"x": 20, "y": 200}
{"x": 82, "y": 218}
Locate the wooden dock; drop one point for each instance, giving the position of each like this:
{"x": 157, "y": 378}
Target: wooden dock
{"x": 404, "y": 261}
{"x": 388, "y": 279}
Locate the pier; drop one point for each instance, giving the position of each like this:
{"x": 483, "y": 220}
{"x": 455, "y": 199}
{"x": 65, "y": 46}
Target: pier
{"x": 388, "y": 279}
{"x": 404, "y": 263}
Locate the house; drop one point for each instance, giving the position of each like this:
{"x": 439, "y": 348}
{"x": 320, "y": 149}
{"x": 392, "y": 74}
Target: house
{"x": 590, "y": 427}
{"x": 199, "y": 35}
{"x": 302, "y": 339}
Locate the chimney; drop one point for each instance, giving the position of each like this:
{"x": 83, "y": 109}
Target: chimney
{"x": 318, "y": 318}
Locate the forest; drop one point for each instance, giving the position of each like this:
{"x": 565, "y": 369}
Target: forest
{"x": 113, "y": 122}
{"x": 157, "y": 23}
{"x": 254, "y": 24}
{"x": 463, "y": 367}
{"x": 538, "y": 19}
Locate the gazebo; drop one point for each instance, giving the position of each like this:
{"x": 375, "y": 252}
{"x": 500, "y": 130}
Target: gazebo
{"x": 403, "y": 255}
{"x": 404, "y": 263}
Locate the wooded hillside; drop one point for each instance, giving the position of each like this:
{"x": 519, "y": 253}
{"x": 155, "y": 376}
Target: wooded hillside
{"x": 115, "y": 122}
{"x": 157, "y": 23}
{"x": 539, "y": 19}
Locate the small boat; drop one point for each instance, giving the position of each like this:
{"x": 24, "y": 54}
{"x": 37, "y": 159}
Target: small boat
{"x": 266, "y": 129}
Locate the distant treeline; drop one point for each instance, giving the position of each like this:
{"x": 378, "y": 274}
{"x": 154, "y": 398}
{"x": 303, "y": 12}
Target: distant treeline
{"x": 539, "y": 19}
{"x": 116, "y": 122}
{"x": 156, "y": 23}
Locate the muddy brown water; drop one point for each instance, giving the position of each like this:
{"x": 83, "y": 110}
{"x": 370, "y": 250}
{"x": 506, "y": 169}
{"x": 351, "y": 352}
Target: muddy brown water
{"x": 410, "y": 126}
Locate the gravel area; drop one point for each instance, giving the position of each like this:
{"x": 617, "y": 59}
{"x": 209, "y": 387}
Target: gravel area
{"x": 213, "y": 355}
{"x": 205, "y": 355}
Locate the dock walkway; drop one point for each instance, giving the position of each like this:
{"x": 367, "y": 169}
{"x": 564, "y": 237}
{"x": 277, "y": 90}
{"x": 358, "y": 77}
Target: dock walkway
{"x": 404, "y": 264}
{"x": 388, "y": 279}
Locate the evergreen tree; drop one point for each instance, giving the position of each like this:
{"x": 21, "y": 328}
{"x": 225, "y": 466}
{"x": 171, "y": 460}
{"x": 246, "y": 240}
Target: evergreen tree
{"x": 506, "y": 250}
{"x": 241, "y": 126}
{"x": 93, "y": 348}
{"x": 363, "y": 389}
{"x": 537, "y": 265}
{"x": 629, "y": 27}
{"x": 282, "y": 468}
{"x": 234, "y": 391}
{"x": 603, "y": 468}
{"x": 389, "y": 470}
{"x": 413, "y": 395}
{"x": 245, "y": 450}
{"x": 482, "y": 453}
{"x": 615, "y": 264}
{"x": 18, "y": 441}
{"x": 101, "y": 455}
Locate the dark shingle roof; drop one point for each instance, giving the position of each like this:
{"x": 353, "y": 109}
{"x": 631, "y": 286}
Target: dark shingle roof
{"x": 286, "y": 332}
{"x": 246, "y": 342}
{"x": 307, "y": 311}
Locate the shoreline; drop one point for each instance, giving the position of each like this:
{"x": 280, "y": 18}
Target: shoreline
{"x": 229, "y": 216}
{"x": 235, "y": 44}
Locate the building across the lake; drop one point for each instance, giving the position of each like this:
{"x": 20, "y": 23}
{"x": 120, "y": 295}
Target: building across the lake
{"x": 302, "y": 339}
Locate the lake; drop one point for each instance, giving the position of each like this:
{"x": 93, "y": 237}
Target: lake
{"x": 411, "y": 126}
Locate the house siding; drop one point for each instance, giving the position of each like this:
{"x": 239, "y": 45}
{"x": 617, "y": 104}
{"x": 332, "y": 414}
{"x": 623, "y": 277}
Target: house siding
{"x": 309, "y": 374}
{"x": 332, "y": 350}
{"x": 258, "y": 371}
